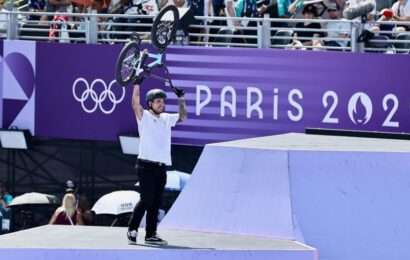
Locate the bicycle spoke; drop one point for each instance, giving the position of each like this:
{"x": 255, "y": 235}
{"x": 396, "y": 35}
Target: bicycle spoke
{"x": 126, "y": 72}
{"x": 131, "y": 57}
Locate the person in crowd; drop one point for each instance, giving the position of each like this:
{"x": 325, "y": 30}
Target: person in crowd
{"x": 61, "y": 6}
{"x": 67, "y": 213}
{"x": 307, "y": 37}
{"x": 336, "y": 29}
{"x": 85, "y": 210}
{"x": 186, "y": 18}
{"x": 5, "y": 197}
{"x": 400, "y": 11}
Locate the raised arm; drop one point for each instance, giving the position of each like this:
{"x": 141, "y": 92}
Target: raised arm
{"x": 182, "y": 109}
{"x": 136, "y": 105}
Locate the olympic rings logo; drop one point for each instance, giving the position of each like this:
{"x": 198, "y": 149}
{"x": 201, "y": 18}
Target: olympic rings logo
{"x": 97, "y": 99}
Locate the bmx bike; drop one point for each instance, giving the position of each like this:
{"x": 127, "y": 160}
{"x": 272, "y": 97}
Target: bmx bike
{"x": 133, "y": 63}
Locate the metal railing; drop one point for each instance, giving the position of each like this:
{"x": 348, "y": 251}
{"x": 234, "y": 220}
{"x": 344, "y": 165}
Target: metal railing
{"x": 336, "y": 35}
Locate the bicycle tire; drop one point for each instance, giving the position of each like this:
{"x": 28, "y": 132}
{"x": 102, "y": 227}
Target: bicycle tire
{"x": 121, "y": 79}
{"x": 160, "y": 38}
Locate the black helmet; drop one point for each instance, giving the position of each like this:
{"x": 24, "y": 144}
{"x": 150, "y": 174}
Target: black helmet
{"x": 155, "y": 93}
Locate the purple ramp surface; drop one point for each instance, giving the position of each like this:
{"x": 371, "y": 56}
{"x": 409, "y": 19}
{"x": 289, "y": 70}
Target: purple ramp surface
{"x": 235, "y": 190}
{"x": 353, "y": 205}
{"x": 64, "y": 254}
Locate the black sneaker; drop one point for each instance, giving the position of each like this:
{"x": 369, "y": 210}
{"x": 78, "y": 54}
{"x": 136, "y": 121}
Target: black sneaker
{"x": 155, "y": 240}
{"x": 132, "y": 237}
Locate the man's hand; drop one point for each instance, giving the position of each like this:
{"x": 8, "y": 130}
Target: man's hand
{"x": 263, "y": 9}
{"x": 137, "y": 80}
{"x": 179, "y": 92}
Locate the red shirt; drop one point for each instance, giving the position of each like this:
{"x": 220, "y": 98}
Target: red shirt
{"x": 63, "y": 219}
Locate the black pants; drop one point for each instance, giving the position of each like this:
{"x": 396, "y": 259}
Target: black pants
{"x": 152, "y": 178}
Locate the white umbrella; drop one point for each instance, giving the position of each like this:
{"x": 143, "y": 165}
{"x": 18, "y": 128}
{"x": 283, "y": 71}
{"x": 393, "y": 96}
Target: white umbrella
{"x": 176, "y": 180}
{"x": 120, "y": 202}
{"x": 117, "y": 202}
{"x": 34, "y": 198}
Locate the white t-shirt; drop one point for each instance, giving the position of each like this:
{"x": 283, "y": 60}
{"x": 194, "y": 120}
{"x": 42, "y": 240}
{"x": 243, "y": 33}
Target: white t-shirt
{"x": 338, "y": 28}
{"x": 155, "y": 136}
{"x": 401, "y": 10}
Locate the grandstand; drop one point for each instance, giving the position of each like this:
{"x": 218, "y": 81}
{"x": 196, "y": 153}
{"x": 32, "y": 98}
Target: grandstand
{"x": 322, "y": 27}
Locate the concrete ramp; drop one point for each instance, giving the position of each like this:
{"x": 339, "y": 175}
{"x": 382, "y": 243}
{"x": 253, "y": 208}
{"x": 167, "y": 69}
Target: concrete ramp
{"x": 345, "y": 196}
{"x": 244, "y": 191}
{"x": 108, "y": 243}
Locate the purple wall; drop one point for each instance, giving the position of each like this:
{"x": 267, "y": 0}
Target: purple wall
{"x": 232, "y": 93}
{"x": 18, "y": 84}
{"x": 352, "y": 206}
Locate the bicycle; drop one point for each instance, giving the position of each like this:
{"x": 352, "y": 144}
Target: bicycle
{"x": 132, "y": 62}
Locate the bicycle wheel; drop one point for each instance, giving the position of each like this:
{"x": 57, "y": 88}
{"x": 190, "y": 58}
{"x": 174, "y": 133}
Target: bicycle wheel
{"x": 127, "y": 63}
{"x": 164, "y": 27}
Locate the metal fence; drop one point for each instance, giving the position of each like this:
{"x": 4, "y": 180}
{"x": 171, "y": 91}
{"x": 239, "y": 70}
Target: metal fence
{"x": 335, "y": 35}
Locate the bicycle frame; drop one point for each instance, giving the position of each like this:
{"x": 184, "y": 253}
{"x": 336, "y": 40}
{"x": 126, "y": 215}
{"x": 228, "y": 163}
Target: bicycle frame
{"x": 156, "y": 63}
{"x": 133, "y": 65}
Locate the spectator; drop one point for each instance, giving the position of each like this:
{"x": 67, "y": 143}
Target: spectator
{"x": 336, "y": 29}
{"x": 83, "y": 204}
{"x": 117, "y": 6}
{"x": 196, "y": 8}
{"x": 138, "y": 7}
{"x": 401, "y": 10}
{"x": 275, "y": 8}
{"x": 5, "y": 197}
{"x": 148, "y": 7}
{"x": 5, "y": 200}
{"x": 84, "y": 208}
{"x": 3, "y": 20}
{"x": 295, "y": 6}
{"x": 217, "y": 7}
{"x": 282, "y": 7}
{"x": 248, "y": 8}
{"x": 309, "y": 12}
{"x": 186, "y": 18}
{"x": 52, "y": 6}
{"x": 58, "y": 6}
{"x": 231, "y": 12}
{"x": 36, "y": 6}
{"x": 67, "y": 214}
